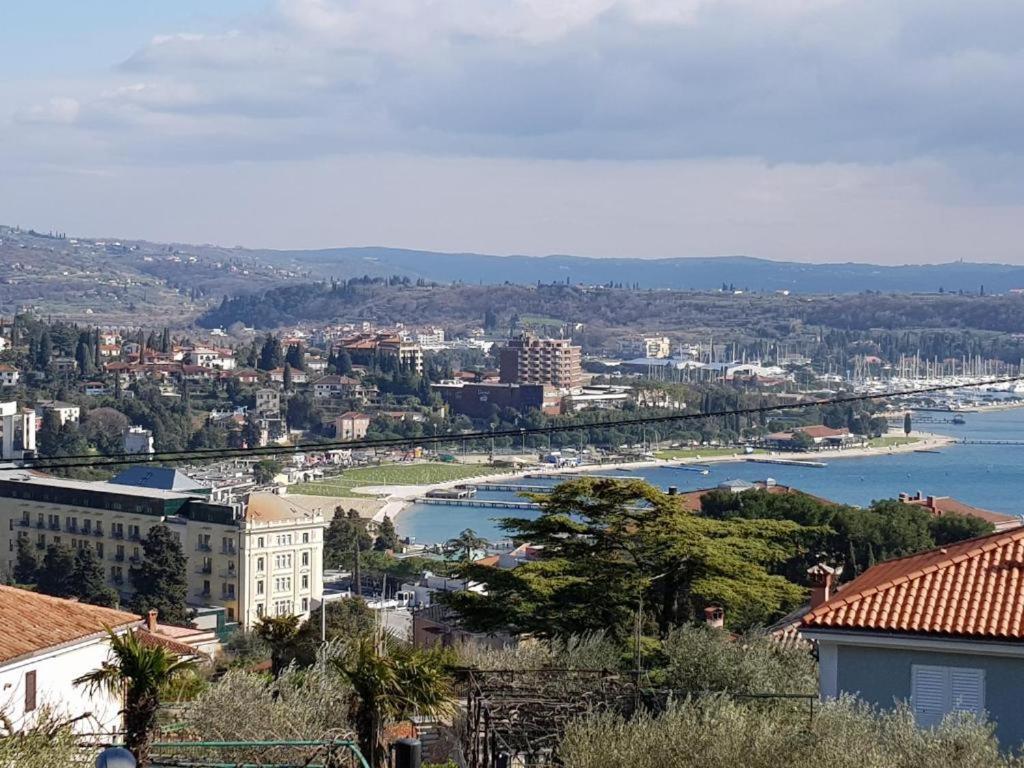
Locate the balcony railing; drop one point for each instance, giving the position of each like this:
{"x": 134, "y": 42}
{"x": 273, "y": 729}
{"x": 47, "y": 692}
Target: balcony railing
{"x": 25, "y": 523}
{"x": 117, "y": 534}
{"x": 97, "y": 532}
{"x": 228, "y": 573}
{"x": 203, "y": 593}
{"x": 54, "y": 526}
{"x": 119, "y": 558}
{"x": 207, "y": 569}
{"x": 203, "y": 547}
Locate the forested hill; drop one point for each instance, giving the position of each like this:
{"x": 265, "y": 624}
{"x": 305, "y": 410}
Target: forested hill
{"x": 767, "y": 314}
{"x": 691, "y": 273}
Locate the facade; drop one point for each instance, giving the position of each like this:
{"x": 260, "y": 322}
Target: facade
{"x": 364, "y": 347}
{"x": 138, "y": 440}
{"x": 814, "y": 438}
{"x": 479, "y": 399}
{"x": 655, "y": 347}
{"x": 942, "y": 630}
{"x": 65, "y": 412}
{"x": 113, "y": 518}
{"x": 530, "y": 360}
{"x": 944, "y": 505}
{"x": 9, "y": 376}
{"x": 46, "y": 644}
{"x": 351, "y": 426}
{"x": 268, "y": 401}
{"x": 17, "y": 431}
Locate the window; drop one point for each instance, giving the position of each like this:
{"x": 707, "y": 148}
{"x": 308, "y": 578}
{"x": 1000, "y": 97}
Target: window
{"x": 259, "y": 587}
{"x": 305, "y": 604}
{"x": 305, "y": 538}
{"x": 99, "y": 549}
{"x": 937, "y": 691}
{"x": 30, "y": 691}
{"x": 259, "y": 542}
{"x": 305, "y": 581}
{"x": 259, "y": 609}
{"x": 305, "y": 558}
{"x": 259, "y": 563}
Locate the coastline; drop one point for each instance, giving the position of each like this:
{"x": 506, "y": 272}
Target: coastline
{"x": 398, "y": 499}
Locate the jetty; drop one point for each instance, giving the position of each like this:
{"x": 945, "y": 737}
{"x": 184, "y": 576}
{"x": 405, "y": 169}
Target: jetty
{"x": 538, "y": 476}
{"x": 479, "y": 503}
{"x": 461, "y": 492}
{"x": 789, "y": 462}
{"x": 510, "y": 487}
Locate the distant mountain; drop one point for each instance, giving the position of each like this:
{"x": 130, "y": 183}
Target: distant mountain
{"x": 698, "y": 273}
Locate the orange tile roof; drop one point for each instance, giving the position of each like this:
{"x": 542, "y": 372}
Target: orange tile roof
{"x": 157, "y": 640}
{"x": 946, "y": 505}
{"x": 973, "y": 588}
{"x": 33, "y": 622}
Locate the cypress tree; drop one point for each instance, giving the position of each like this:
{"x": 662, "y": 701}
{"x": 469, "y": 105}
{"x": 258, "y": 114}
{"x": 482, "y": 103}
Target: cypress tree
{"x": 56, "y": 576}
{"x": 160, "y": 580}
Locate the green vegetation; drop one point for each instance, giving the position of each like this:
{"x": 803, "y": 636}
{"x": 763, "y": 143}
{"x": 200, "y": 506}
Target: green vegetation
{"x": 392, "y": 474}
{"x": 160, "y": 580}
{"x": 700, "y": 452}
{"x": 889, "y": 441}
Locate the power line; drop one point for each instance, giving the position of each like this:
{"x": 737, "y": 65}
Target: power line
{"x": 90, "y": 460}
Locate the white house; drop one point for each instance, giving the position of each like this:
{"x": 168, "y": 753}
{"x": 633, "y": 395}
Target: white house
{"x": 9, "y": 375}
{"x": 47, "y": 643}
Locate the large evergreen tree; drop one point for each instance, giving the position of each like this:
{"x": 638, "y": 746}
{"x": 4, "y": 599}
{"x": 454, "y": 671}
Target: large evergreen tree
{"x": 160, "y": 580}
{"x": 89, "y": 580}
{"x": 387, "y": 537}
{"x": 346, "y": 533}
{"x": 26, "y": 564}
{"x": 57, "y": 575}
{"x": 271, "y": 354}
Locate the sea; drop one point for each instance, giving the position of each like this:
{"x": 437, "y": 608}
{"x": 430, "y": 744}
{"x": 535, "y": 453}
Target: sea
{"x": 990, "y": 476}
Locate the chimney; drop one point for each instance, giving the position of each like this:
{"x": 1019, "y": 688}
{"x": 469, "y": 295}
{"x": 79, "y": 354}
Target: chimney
{"x": 672, "y": 490}
{"x": 822, "y": 578}
{"x": 904, "y": 497}
{"x": 714, "y": 616}
{"x": 931, "y": 502}
{"x": 151, "y": 620}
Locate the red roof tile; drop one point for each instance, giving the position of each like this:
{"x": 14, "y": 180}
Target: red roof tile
{"x": 33, "y": 622}
{"x": 974, "y": 588}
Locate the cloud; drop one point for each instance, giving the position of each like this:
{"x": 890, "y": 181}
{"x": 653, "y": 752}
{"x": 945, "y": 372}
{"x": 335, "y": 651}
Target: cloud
{"x": 58, "y": 110}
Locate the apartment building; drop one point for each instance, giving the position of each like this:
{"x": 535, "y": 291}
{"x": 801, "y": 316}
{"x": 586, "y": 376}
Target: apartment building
{"x": 232, "y": 554}
{"x": 17, "y": 431}
{"x": 527, "y": 359}
{"x": 364, "y": 347}
{"x": 656, "y": 347}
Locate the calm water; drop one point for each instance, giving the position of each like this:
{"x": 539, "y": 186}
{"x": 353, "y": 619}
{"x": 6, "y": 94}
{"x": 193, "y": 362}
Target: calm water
{"x": 988, "y": 476}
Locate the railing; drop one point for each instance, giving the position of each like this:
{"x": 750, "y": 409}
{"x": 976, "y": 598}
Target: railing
{"x": 25, "y": 523}
{"x": 202, "y": 547}
{"x": 228, "y": 573}
{"x": 119, "y": 558}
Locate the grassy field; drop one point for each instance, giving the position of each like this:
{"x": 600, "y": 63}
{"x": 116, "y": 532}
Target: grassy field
{"x": 704, "y": 453}
{"x": 887, "y": 441}
{"x": 392, "y": 474}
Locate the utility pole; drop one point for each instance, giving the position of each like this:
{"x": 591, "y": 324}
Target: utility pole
{"x": 356, "y": 577}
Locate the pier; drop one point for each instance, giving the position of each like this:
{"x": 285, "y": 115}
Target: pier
{"x": 510, "y": 487}
{"x": 790, "y": 462}
{"x": 480, "y": 503}
{"x": 460, "y": 492}
{"x": 702, "y": 468}
{"x": 538, "y": 475}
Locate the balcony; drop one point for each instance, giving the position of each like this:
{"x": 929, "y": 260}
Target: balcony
{"x": 98, "y": 532}
{"x": 117, "y": 534}
{"x": 229, "y": 551}
{"x": 25, "y": 523}
{"x": 225, "y": 595}
{"x": 118, "y": 579}
{"x": 206, "y": 569}
{"x": 203, "y": 547}
{"x": 134, "y": 536}
{"x": 119, "y": 558}
{"x": 40, "y": 524}
{"x": 203, "y": 593}
{"x": 55, "y": 526}
{"x": 228, "y": 573}
{"x": 135, "y": 559}
{"x": 71, "y": 528}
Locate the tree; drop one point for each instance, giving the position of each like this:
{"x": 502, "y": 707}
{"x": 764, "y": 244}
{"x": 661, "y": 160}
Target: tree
{"x": 907, "y": 425}
{"x": 296, "y": 356}
{"x": 343, "y": 362}
{"x": 104, "y": 429}
{"x": 347, "y": 619}
{"x": 608, "y": 545}
{"x": 287, "y": 378}
{"x": 90, "y": 581}
{"x": 160, "y": 580}
{"x": 951, "y": 528}
{"x": 26, "y": 564}
{"x": 265, "y": 470}
{"x": 280, "y": 633}
{"x": 44, "y": 352}
{"x": 271, "y": 355}
{"x": 387, "y": 537}
{"x": 345, "y": 535}
{"x": 83, "y": 356}
{"x": 56, "y": 576}
{"x": 391, "y": 684}
{"x": 138, "y": 673}
{"x": 465, "y": 545}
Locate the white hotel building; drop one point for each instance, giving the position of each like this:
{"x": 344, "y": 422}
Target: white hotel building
{"x": 263, "y": 559}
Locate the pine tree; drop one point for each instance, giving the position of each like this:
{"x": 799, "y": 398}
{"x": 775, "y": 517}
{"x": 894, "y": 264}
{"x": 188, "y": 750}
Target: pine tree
{"x": 387, "y": 537}
{"x": 160, "y": 580}
{"x": 26, "y": 566}
{"x": 56, "y": 576}
{"x": 90, "y": 581}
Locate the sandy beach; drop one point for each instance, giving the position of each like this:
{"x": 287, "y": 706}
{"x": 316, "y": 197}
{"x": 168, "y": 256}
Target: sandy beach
{"x": 397, "y": 498}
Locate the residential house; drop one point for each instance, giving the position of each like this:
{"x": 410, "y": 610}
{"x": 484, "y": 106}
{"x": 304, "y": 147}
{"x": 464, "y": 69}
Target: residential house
{"x": 364, "y": 348}
{"x": 17, "y": 431}
{"x": 268, "y": 401}
{"x": 46, "y": 644}
{"x": 138, "y": 440}
{"x": 298, "y": 377}
{"x": 942, "y": 630}
{"x": 351, "y": 426}
{"x": 9, "y": 375}
{"x": 335, "y": 386}
{"x": 66, "y": 413}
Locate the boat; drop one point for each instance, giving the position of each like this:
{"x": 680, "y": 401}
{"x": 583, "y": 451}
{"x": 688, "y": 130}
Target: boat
{"x": 958, "y": 419}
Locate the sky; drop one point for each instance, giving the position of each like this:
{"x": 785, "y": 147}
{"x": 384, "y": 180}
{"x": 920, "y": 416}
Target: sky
{"x": 811, "y": 130}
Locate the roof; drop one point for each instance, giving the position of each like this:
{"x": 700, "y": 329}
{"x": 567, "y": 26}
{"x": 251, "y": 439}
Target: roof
{"x": 158, "y": 640}
{"x": 273, "y": 508}
{"x": 162, "y": 478}
{"x": 973, "y": 588}
{"x": 37, "y": 478}
{"x": 691, "y": 499}
{"x": 34, "y": 622}
{"x": 816, "y": 432}
{"x": 352, "y": 415}
{"x": 946, "y": 505}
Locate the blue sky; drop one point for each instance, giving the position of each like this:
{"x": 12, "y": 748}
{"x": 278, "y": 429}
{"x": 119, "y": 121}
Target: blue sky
{"x": 824, "y": 130}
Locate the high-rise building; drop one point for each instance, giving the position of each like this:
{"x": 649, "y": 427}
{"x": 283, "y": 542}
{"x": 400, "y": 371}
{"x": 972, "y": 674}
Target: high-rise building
{"x": 17, "y": 431}
{"x": 527, "y": 359}
{"x": 265, "y": 558}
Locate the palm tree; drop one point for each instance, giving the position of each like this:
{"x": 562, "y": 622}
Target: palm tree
{"x": 137, "y": 672}
{"x": 279, "y": 632}
{"x": 465, "y": 543}
{"x": 391, "y": 684}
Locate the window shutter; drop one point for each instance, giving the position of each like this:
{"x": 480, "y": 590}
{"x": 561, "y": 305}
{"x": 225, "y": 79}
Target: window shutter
{"x": 30, "y": 691}
{"x": 967, "y": 689}
{"x": 929, "y": 694}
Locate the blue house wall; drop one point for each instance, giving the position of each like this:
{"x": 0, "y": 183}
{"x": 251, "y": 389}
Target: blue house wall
{"x": 881, "y": 676}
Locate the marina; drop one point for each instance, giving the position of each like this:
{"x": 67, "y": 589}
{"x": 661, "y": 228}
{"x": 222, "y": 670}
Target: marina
{"x": 788, "y": 462}
{"x": 982, "y": 468}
